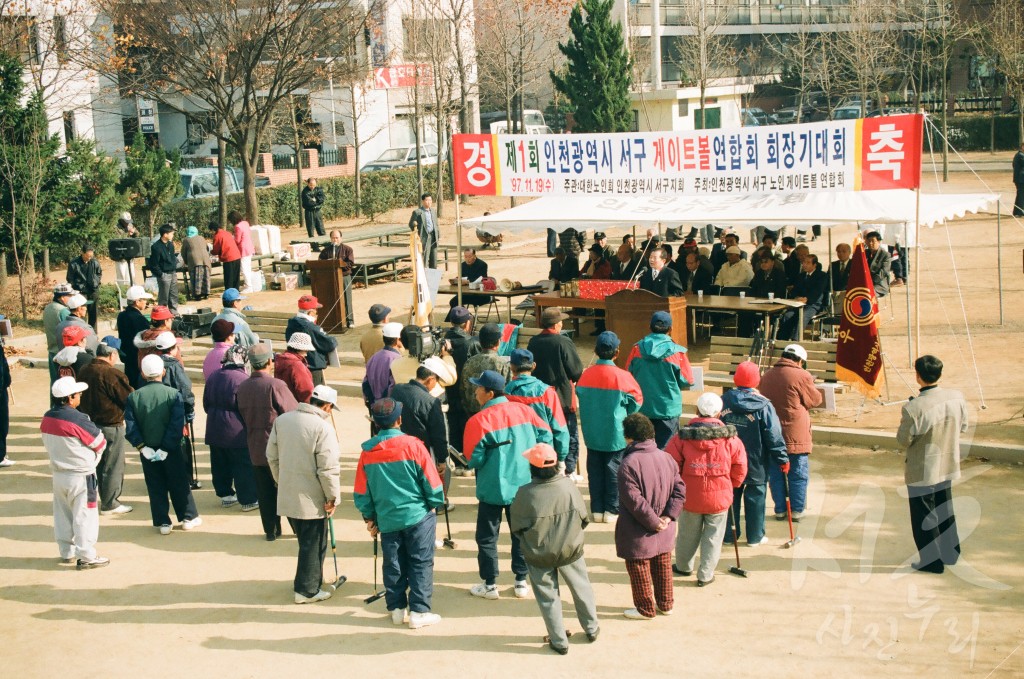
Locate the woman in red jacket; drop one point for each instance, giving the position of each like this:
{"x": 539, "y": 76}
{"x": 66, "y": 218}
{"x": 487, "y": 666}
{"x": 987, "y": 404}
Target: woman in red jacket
{"x": 226, "y": 251}
{"x": 712, "y": 461}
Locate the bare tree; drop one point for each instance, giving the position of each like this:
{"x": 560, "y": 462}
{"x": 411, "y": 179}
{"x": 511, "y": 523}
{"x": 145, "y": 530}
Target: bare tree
{"x": 797, "y": 55}
{"x": 867, "y": 48}
{"x": 706, "y": 54}
{"x": 639, "y": 47}
{"x": 1003, "y": 38}
{"x": 237, "y": 60}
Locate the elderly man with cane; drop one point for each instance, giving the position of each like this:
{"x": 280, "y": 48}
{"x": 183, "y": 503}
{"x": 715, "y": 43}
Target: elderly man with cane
{"x": 305, "y": 460}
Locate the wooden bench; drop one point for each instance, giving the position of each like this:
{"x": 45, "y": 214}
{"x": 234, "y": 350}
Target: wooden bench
{"x": 380, "y": 267}
{"x": 382, "y": 234}
{"x": 269, "y": 325}
{"x": 728, "y": 352}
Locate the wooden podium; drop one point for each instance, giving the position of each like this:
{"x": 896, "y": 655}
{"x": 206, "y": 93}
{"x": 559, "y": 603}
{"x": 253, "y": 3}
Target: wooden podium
{"x": 628, "y": 314}
{"x": 328, "y": 286}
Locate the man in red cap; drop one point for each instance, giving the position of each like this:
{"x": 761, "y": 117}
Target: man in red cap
{"x": 160, "y": 319}
{"x": 75, "y": 355}
{"x": 306, "y": 321}
{"x": 757, "y": 424}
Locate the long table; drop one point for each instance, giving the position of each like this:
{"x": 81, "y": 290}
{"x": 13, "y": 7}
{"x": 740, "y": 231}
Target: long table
{"x": 508, "y": 295}
{"x": 382, "y": 234}
{"x": 707, "y": 303}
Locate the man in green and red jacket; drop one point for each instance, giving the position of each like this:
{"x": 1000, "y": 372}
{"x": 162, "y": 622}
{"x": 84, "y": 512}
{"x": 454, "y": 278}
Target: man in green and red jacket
{"x": 662, "y": 370}
{"x": 542, "y": 398}
{"x": 607, "y": 395}
{"x": 495, "y": 440}
{"x": 397, "y": 489}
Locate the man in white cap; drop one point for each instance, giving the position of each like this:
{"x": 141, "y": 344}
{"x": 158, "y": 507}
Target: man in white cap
{"x": 78, "y": 305}
{"x": 53, "y": 315}
{"x": 174, "y": 371}
{"x": 378, "y": 381}
{"x": 130, "y": 323}
{"x": 291, "y": 367}
{"x": 154, "y": 418}
{"x": 305, "y": 460}
{"x": 791, "y": 390}
{"x": 421, "y": 408}
{"x": 736, "y": 272}
{"x": 74, "y": 445}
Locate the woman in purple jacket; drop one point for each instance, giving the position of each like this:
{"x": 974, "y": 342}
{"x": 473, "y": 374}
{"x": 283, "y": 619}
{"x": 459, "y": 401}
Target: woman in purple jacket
{"x": 225, "y": 433}
{"x": 651, "y": 497}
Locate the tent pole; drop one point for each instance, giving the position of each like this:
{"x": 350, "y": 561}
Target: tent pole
{"x": 917, "y": 270}
{"x": 458, "y": 246}
{"x": 999, "y": 255}
{"x": 831, "y": 288}
{"x": 910, "y": 346}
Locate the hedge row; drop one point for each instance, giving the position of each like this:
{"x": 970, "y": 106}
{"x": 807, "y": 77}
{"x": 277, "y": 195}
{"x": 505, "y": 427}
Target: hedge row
{"x": 974, "y": 133}
{"x": 380, "y": 191}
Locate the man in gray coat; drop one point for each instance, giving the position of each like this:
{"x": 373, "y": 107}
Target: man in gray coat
{"x": 930, "y": 431}
{"x": 305, "y": 460}
{"x": 424, "y": 222}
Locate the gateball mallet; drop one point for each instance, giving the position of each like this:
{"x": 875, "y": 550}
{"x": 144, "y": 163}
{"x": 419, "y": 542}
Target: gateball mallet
{"x": 376, "y": 595}
{"x": 339, "y": 580}
{"x": 448, "y": 542}
{"x": 793, "y": 539}
{"x": 736, "y": 570}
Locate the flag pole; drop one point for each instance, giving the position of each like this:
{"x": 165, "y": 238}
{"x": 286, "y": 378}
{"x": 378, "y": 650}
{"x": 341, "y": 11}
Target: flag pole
{"x": 917, "y": 272}
{"x": 458, "y": 247}
{"x": 910, "y": 346}
{"x": 999, "y": 254}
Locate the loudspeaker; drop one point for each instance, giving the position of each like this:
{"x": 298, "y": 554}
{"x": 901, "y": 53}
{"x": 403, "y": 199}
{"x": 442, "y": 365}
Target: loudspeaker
{"x": 122, "y": 249}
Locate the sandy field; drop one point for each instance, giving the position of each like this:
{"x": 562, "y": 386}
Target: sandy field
{"x": 217, "y": 602}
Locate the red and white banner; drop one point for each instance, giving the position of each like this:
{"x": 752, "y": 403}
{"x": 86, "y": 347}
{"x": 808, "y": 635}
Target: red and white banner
{"x": 402, "y": 75}
{"x": 840, "y": 155}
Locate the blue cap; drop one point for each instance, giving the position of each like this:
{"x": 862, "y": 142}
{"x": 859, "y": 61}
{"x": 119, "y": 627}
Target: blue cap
{"x": 607, "y": 341}
{"x": 661, "y": 321}
{"x": 521, "y": 357}
{"x": 231, "y": 295}
{"x": 489, "y": 380}
{"x": 386, "y": 411}
{"x": 112, "y": 342}
{"x": 459, "y": 315}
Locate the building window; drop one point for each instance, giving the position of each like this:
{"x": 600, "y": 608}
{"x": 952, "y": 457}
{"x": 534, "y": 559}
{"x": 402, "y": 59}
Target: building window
{"x": 20, "y": 35}
{"x": 636, "y": 120}
{"x": 69, "y": 127}
{"x": 684, "y": 108}
{"x": 60, "y": 38}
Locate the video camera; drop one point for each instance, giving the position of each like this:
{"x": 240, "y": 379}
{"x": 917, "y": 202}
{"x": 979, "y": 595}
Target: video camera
{"x": 424, "y": 342}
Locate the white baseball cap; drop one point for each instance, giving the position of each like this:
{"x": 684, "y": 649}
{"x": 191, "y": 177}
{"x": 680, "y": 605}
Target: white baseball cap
{"x": 446, "y": 375}
{"x": 301, "y": 341}
{"x": 165, "y": 340}
{"x": 322, "y": 392}
{"x": 391, "y": 330}
{"x": 797, "y": 350}
{"x": 66, "y": 386}
{"x": 152, "y": 366}
{"x": 126, "y": 216}
{"x": 75, "y": 301}
{"x": 709, "y": 404}
{"x": 137, "y": 292}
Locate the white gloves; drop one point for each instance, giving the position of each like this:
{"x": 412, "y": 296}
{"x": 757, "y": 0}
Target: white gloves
{"x": 153, "y": 455}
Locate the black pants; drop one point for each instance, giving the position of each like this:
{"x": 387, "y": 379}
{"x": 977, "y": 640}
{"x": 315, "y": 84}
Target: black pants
{"x": 309, "y": 572}
{"x": 1018, "y": 201}
{"x": 573, "y": 458}
{"x": 457, "y": 419}
{"x": 232, "y": 274}
{"x": 110, "y": 470}
{"x": 266, "y": 491}
{"x": 5, "y": 424}
{"x": 169, "y": 477}
{"x": 314, "y": 220}
{"x": 488, "y": 525}
{"x": 92, "y": 310}
{"x": 934, "y": 525}
{"x": 664, "y": 430}
{"x": 232, "y": 474}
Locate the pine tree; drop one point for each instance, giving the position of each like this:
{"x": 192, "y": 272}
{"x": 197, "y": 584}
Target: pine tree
{"x": 150, "y": 178}
{"x": 600, "y": 73}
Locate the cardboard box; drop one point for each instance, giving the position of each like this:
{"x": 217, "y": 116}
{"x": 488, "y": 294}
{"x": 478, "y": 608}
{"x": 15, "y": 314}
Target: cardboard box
{"x": 261, "y": 240}
{"x": 285, "y": 281}
{"x": 299, "y": 252}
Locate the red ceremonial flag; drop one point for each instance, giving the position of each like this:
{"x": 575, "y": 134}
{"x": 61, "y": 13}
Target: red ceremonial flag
{"x": 859, "y": 353}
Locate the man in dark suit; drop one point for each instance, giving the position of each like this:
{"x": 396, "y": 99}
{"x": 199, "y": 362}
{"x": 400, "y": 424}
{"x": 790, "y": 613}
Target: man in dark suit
{"x": 471, "y": 269}
{"x": 879, "y": 263}
{"x": 564, "y": 267}
{"x": 312, "y": 202}
{"x": 424, "y": 222}
{"x": 344, "y": 254}
{"x": 811, "y": 288}
{"x": 660, "y": 279}
{"x": 840, "y": 269}
{"x": 1018, "y": 182}
{"x": 699, "y": 274}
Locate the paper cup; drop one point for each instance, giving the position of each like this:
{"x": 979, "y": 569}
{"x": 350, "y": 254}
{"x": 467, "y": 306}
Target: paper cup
{"x": 743, "y": 295}
{"x": 771, "y": 295}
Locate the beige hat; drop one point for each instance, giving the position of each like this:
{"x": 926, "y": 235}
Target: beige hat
{"x": 165, "y": 340}
{"x": 301, "y": 342}
{"x": 446, "y": 375}
{"x": 733, "y": 250}
{"x": 66, "y": 386}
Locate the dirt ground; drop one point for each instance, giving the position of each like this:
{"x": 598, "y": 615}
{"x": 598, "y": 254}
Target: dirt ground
{"x": 217, "y": 602}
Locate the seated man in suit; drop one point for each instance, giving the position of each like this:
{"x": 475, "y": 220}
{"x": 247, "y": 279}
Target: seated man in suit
{"x": 794, "y": 264}
{"x": 625, "y": 264}
{"x": 840, "y": 269}
{"x": 769, "y": 278}
{"x": 564, "y": 267}
{"x": 879, "y": 262}
{"x": 472, "y": 268}
{"x": 811, "y": 288}
{"x": 735, "y": 273}
{"x": 660, "y": 279}
{"x": 765, "y": 252}
{"x": 699, "y": 273}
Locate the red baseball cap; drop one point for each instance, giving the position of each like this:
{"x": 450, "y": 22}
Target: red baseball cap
{"x": 307, "y": 302}
{"x": 160, "y": 313}
{"x": 73, "y": 334}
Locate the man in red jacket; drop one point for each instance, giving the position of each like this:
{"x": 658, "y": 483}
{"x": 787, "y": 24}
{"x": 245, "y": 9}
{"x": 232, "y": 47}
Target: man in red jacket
{"x": 290, "y": 367}
{"x": 226, "y": 250}
{"x": 791, "y": 390}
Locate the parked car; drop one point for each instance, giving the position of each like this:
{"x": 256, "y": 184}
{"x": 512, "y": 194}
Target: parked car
{"x": 403, "y": 156}
{"x": 846, "y": 112}
{"x": 201, "y": 182}
{"x": 754, "y": 117}
{"x": 785, "y": 116}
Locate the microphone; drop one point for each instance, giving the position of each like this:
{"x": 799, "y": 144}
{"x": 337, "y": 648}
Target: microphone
{"x": 639, "y": 272}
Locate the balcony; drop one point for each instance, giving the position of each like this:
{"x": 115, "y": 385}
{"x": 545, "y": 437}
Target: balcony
{"x": 751, "y": 12}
